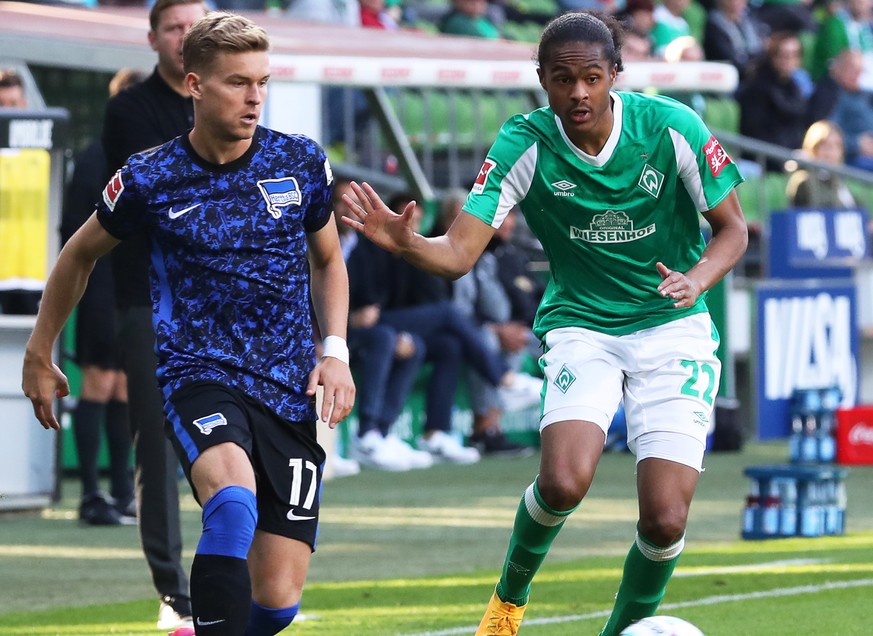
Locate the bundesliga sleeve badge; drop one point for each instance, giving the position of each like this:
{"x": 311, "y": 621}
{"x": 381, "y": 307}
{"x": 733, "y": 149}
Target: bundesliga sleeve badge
{"x": 482, "y": 177}
{"x": 113, "y": 190}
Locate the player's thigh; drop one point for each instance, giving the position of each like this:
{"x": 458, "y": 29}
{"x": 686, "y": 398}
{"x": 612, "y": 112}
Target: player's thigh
{"x": 673, "y": 390}
{"x": 278, "y": 566}
{"x": 583, "y": 379}
{"x": 289, "y": 463}
{"x": 211, "y": 422}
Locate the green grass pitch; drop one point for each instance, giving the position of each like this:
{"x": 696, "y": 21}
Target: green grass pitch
{"x": 418, "y": 553}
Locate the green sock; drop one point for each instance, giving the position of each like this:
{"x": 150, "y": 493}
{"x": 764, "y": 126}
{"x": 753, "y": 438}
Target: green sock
{"x": 647, "y": 569}
{"x": 536, "y": 526}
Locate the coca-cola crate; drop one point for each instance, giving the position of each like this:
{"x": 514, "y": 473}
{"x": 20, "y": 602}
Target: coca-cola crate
{"x": 855, "y": 435}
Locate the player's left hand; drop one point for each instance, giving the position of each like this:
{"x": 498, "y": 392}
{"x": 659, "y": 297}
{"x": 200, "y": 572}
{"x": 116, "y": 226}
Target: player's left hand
{"x": 335, "y": 377}
{"x": 684, "y": 291}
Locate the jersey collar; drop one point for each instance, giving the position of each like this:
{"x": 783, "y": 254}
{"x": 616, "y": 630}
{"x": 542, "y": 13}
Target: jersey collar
{"x": 605, "y": 154}
{"x": 242, "y": 160}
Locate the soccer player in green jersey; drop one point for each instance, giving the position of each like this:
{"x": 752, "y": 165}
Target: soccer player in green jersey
{"x": 613, "y": 184}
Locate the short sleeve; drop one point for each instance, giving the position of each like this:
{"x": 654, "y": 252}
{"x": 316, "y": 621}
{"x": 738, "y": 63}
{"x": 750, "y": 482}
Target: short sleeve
{"x": 119, "y": 209}
{"x": 320, "y": 206}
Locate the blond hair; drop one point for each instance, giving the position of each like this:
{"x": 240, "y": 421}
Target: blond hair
{"x": 817, "y": 133}
{"x": 220, "y": 32}
{"x": 125, "y": 78}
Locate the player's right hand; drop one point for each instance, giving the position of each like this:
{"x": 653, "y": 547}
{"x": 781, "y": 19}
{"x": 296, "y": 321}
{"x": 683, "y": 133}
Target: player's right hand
{"x": 376, "y": 221}
{"x": 42, "y": 383}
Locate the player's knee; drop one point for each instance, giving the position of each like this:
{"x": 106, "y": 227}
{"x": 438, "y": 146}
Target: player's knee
{"x": 665, "y": 527}
{"x": 268, "y": 620}
{"x": 562, "y": 491}
{"x": 229, "y": 520}
{"x": 276, "y": 593}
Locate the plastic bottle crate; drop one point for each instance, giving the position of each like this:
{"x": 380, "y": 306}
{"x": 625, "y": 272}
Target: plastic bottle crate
{"x": 794, "y": 501}
{"x": 813, "y": 425}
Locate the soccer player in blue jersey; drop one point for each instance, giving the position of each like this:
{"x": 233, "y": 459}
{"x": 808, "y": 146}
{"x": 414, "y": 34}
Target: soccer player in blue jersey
{"x": 243, "y": 245}
{"x": 614, "y": 185}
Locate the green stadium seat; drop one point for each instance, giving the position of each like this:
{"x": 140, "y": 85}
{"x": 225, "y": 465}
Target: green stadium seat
{"x": 775, "y": 198}
{"x": 440, "y": 118}
{"x": 722, "y": 113}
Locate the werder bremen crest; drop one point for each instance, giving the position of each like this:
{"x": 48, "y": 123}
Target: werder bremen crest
{"x": 564, "y": 379}
{"x": 613, "y": 226}
{"x": 651, "y": 181}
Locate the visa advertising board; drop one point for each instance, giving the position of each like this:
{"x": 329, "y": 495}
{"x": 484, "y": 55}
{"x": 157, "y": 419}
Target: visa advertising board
{"x": 807, "y": 337}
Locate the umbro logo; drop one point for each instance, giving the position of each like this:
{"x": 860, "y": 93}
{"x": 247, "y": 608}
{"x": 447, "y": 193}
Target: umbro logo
{"x": 176, "y": 214}
{"x": 564, "y": 188}
{"x": 563, "y": 184}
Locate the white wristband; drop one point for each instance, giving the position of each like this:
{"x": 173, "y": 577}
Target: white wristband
{"x": 335, "y": 347}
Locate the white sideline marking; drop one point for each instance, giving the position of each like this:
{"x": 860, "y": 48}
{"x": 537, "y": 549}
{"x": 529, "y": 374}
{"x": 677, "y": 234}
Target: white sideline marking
{"x": 710, "y": 600}
{"x": 753, "y": 567}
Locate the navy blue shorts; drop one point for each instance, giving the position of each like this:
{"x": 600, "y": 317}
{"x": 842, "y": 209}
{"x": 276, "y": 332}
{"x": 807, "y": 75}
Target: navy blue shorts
{"x": 287, "y": 459}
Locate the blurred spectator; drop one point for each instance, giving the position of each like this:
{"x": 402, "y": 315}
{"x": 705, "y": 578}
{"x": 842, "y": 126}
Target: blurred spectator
{"x": 103, "y": 394}
{"x": 795, "y": 16}
{"x": 413, "y": 301}
{"x": 635, "y": 48}
{"x": 240, "y": 5}
{"x": 345, "y": 12}
{"x": 386, "y": 362}
{"x": 683, "y": 49}
{"x": 454, "y": 342}
{"x": 480, "y": 294}
{"x": 638, "y": 18}
{"x": 848, "y": 27}
{"x": 469, "y": 18}
{"x": 374, "y": 15}
{"x": 602, "y": 6}
{"x": 772, "y": 101}
{"x": 818, "y": 187}
{"x": 733, "y": 35}
{"x": 524, "y": 287}
{"x": 839, "y": 98}
{"x": 669, "y": 24}
{"x": 11, "y": 89}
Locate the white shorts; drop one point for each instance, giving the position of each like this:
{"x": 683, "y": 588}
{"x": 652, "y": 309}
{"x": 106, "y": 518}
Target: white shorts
{"x": 667, "y": 377}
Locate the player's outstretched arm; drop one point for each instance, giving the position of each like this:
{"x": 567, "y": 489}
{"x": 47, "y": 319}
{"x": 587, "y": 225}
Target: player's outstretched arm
{"x": 42, "y": 380}
{"x": 451, "y": 255}
{"x": 730, "y": 236}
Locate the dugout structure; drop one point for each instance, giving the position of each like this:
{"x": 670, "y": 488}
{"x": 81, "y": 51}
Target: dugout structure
{"x": 31, "y": 169}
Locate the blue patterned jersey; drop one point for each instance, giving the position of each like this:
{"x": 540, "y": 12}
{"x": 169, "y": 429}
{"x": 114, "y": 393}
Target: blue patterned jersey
{"x": 229, "y": 273}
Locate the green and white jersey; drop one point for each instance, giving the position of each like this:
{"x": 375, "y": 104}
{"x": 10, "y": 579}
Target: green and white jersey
{"x": 605, "y": 220}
